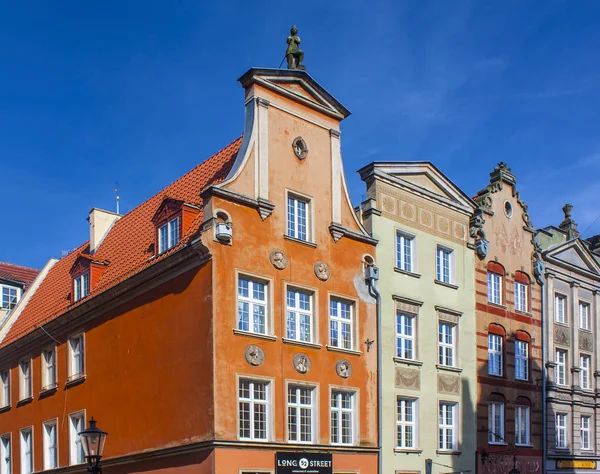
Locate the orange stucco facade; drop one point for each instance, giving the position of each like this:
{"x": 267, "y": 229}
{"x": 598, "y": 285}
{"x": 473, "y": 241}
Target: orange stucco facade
{"x": 164, "y": 354}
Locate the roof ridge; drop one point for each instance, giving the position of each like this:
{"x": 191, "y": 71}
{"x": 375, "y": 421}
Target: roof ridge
{"x": 19, "y": 266}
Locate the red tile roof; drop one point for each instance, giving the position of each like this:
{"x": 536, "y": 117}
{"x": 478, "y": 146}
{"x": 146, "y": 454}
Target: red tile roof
{"x": 128, "y": 246}
{"x": 25, "y": 275}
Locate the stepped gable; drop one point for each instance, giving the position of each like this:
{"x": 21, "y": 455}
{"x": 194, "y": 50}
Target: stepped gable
{"x": 128, "y": 246}
{"x": 17, "y": 273}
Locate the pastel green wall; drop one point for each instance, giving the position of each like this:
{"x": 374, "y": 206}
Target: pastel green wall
{"x": 432, "y": 294}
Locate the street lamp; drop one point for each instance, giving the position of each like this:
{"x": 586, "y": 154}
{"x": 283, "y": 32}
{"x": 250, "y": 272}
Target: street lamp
{"x": 92, "y": 442}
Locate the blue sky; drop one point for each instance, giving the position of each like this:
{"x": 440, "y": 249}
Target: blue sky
{"x": 140, "y": 92}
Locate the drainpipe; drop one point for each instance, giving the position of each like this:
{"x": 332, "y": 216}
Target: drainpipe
{"x": 544, "y": 358}
{"x": 372, "y": 275}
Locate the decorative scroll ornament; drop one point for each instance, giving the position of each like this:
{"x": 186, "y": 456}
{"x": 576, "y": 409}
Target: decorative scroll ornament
{"x": 482, "y": 245}
{"x": 322, "y": 271}
{"x": 254, "y": 355}
{"x": 343, "y": 368}
{"x": 278, "y": 259}
{"x": 302, "y": 363}
{"x": 539, "y": 267}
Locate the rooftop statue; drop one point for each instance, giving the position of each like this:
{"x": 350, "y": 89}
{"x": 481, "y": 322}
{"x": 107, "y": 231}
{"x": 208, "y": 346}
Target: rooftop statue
{"x": 294, "y": 54}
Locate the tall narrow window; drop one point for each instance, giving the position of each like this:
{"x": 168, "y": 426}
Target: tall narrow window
{"x": 404, "y": 252}
{"x": 82, "y": 286}
{"x": 446, "y": 344}
{"x": 444, "y": 265}
{"x": 584, "y": 375}
{"x": 5, "y": 455}
{"x": 297, "y": 218}
{"x": 496, "y": 423}
{"x": 521, "y": 360}
{"x": 447, "y": 426}
{"x": 559, "y": 308}
{"x": 299, "y": 315}
{"x": 561, "y": 367}
{"x": 522, "y": 430}
{"x": 342, "y": 417}
{"x": 252, "y": 305}
{"x": 521, "y": 290}
{"x": 405, "y": 336}
{"x": 300, "y": 414}
{"x": 584, "y": 316}
{"x": 586, "y": 422}
{"x": 50, "y": 451}
{"x": 4, "y": 388}
{"x": 25, "y": 376}
{"x": 494, "y": 284}
{"x": 168, "y": 235}
{"x": 253, "y": 398}
{"x": 76, "y": 426}
{"x": 561, "y": 430}
{"x": 26, "y": 451}
{"x": 49, "y": 369}
{"x": 76, "y": 357}
{"x": 9, "y": 297}
{"x": 340, "y": 324}
{"x": 406, "y": 423}
{"x": 495, "y": 354}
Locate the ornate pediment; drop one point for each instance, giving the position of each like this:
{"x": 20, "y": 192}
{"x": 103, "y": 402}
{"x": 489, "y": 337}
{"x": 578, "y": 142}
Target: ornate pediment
{"x": 574, "y": 255}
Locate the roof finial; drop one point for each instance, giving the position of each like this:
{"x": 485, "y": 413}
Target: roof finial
{"x": 568, "y": 225}
{"x": 294, "y": 54}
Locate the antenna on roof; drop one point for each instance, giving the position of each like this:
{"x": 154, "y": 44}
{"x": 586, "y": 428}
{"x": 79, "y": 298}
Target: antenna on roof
{"x": 117, "y": 196}
{"x": 64, "y": 253}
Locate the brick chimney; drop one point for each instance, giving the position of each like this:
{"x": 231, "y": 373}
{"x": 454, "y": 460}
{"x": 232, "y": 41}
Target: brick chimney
{"x": 100, "y": 223}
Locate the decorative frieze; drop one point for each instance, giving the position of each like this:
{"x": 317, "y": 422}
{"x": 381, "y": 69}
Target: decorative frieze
{"x": 408, "y": 378}
{"x": 561, "y": 335}
{"x": 448, "y": 384}
{"x": 586, "y": 343}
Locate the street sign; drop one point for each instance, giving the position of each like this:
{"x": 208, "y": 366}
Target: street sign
{"x": 575, "y": 464}
{"x": 303, "y": 463}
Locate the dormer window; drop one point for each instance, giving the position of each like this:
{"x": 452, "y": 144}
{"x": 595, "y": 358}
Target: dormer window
{"x": 81, "y": 286}
{"x": 10, "y": 296}
{"x": 168, "y": 235}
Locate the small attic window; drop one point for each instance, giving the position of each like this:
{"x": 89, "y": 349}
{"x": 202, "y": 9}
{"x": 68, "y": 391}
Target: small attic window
{"x": 508, "y": 209}
{"x": 81, "y": 286}
{"x": 168, "y": 235}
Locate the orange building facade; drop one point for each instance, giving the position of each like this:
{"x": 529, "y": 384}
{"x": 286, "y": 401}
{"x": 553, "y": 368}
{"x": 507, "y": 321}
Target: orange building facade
{"x": 508, "y": 315}
{"x": 222, "y": 326}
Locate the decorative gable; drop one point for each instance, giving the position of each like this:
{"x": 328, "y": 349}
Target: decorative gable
{"x": 575, "y": 255}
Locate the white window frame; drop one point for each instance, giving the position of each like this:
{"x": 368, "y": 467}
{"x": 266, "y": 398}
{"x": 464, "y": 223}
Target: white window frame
{"x": 495, "y": 354}
{"x": 25, "y": 380}
{"x": 584, "y": 316}
{"x": 9, "y": 305}
{"x": 496, "y": 423}
{"x": 586, "y": 432}
{"x": 406, "y": 406}
{"x": 299, "y": 314}
{"x": 252, "y": 302}
{"x": 406, "y": 326}
{"x": 172, "y": 228}
{"x": 447, "y": 344}
{"x": 339, "y": 322}
{"x": 49, "y": 368}
{"x": 445, "y": 428}
{"x": 81, "y": 286}
{"x": 4, "y": 388}
{"x": 6, "y": 454}
{"x": 405, "y": 251}
{"x": 294, "y": 433}
{"x": 585, "y": 362}
{"x": 522, "y": 418}
{"x": 521, "y": 360}
{"x": 253, "y": 402}
{"x": 560, "y": 308}
{"x": 76, "y": 426}
{"x": 26, "y": 450}
{"x": 561, "y": 440}
{"x": 494, "y": 287}
{"x": 50, "y": 445}
{"x": 76, "y": 359}
{"x": 292, "y": 222}
{"x": 444, "y": 255}
{"x": 561, "y": 366}
{"x": 340, "y": 414}
{"x": 521, "y": 296}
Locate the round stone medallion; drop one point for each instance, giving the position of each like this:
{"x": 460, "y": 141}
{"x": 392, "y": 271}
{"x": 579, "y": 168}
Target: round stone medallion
{"x": 254, "y": 355}
{"x": 278, "y": 259}
{"x": 343, "y": 368}
{"x": 301, "y": 363}
{"x": 300, "y": 148}
{"x": 322, "y": 271}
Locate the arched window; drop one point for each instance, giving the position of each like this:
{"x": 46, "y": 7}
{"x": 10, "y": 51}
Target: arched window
{"x": 522, "y": 294}
{"x": 522, "y": 352}
{"x": 496, "y": 419}
{"x": 496, "y": 336}
{"x": 495, "y": 278}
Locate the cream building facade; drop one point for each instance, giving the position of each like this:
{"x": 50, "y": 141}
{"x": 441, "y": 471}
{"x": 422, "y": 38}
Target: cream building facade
{"x": 426, "y": 284}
